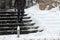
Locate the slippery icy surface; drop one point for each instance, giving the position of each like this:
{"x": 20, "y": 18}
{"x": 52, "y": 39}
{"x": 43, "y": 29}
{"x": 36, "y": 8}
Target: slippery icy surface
{"x": 48, "y": 20}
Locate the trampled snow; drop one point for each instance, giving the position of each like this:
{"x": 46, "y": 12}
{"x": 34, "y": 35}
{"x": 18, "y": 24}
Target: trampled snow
{"x": 48, "y": 20}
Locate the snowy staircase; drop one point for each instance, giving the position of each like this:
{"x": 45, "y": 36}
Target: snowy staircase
{"x": 8, "y": 24}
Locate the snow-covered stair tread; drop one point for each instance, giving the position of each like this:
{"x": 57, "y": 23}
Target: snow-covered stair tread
{"x": 7, "y": 19}
{"x": 15, "y": 24}
{"x": 16, "y": 17}
{"x": 8, "y": 30}
{"x": 31, "y": 30}
{"x": 31, "y": 27}
{"x": 27, "y": 19}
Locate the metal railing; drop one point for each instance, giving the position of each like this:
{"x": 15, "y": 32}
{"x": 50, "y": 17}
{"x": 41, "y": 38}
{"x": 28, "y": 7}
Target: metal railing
{"x": 10, "y": 3}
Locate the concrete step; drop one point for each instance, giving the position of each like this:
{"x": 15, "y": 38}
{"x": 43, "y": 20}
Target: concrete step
{"x": 8, "y": 32}
{"x": 15, "y": 28}
{"x": 28, "y": 31}
{"x": 11, "y": 15}
{"x": 16, "y": 17}
{"x": 14, "y": 21}
{"x": 6, "y": 24}
{"x": 27, "y": 18}
{"x": 6, "y": 29}
{"x": 12, "y": 28}
{"x": 30, "y": 27}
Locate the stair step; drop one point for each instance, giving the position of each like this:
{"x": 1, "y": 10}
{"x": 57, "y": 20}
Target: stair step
{"x": 10, "y": 28}
{"x": 13, "y": 21}
{"x": 7, "y": 12}
{"x": 8, "y": 18}
{"x": 30, "y": 30}
{"x": 26, "y": 21}
{"x": 25, "y": 28}
{"x": 11, "y": 15}
{"x": 3, "y": 22}
{"x": 27, "y": 32}
{"x": 14, "y": 17}
{"x": 31, "y": 27}
{"x": 7, "y": 22}
{"x": 8, "y": 32}
{"x": 24, "y": 32}
{"x": 33, "y": 30}
{"x": 8, "y": 25}
{"x": 28, "y": 27}
{"x": 20, "y": 27}
{"x": 17, "y": 24}
{"x": 5, "y": 29}
{"x": 15, "y": 28}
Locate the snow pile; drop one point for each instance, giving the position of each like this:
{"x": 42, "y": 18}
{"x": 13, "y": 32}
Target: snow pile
{"x": 24, "y": 37}
{"x": 49, "y": 20}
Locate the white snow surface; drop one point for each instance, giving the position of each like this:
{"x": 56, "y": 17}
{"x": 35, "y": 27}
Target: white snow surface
{"x": 49, "y": 20}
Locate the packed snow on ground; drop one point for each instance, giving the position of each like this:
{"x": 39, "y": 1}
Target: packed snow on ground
{"x": 48, "y": 20}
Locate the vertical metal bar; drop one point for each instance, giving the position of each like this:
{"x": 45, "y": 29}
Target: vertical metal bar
{"x": 18, "y": 31}
{"x": 18, "y": 28}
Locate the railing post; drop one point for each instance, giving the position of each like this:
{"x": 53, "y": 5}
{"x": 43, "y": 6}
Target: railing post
{"x": 18, "y": 31}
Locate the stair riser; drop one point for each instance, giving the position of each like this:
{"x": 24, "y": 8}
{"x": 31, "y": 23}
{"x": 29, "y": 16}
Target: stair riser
{"x": 13, "y": 18}
{"x": 5, "y": 29}
{"x": 7, "y": 33}
{"x": 27, "y": 32}
{"x": 7, "y": 15}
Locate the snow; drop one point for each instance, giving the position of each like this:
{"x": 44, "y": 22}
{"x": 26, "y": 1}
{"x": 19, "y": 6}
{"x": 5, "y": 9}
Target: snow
{"x": 48, "y": 20}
